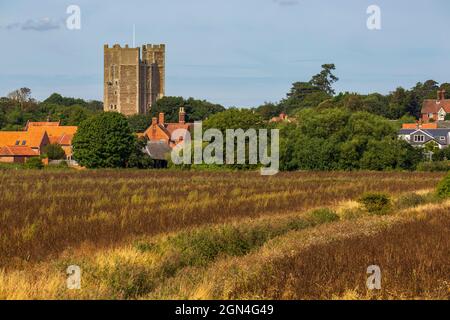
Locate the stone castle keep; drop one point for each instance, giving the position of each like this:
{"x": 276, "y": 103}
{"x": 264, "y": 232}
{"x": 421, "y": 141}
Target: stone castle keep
{"x": 132, "y": 83}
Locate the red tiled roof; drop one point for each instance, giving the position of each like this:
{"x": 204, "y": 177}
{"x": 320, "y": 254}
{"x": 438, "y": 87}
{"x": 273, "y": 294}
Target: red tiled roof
{"x": 433, "y": 106}
{"x": 420, "y": 126}
{"x": 17, "y": 151}
{"x": 66, "y": 139}
{"x": 21, "y": 138}
{"x": 62, "y": 135}
{"x": 41, "y": 124}
{"x": 171, "y": 127}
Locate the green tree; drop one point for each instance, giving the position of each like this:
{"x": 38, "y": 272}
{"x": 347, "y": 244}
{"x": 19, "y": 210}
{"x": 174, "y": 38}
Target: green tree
{"x": 56, "y": 98}
{"x": 139, "y": 122}
{"x": 325, "y": 79}
{"x": 196, "y": 110}
{"x": 269, "y": 110}
{"x": 54, "y": 152}
{"x": 104, "y": 141}
{"x": 234, "y": 118}
{"x": 303, "y": 95}
{"x": 337, "y": 138}
{"x": 138, "y": 159}
{"x": 390, "y": 154}
{"x": 76, "y": 115}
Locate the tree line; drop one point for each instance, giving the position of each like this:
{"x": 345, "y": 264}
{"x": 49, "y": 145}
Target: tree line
{"x": 344, "y": 131}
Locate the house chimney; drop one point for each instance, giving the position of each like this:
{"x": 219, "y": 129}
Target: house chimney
{"x": 154, "y": 121}
{"x": 182, "y": 116}
{"x": 161, "y": 118}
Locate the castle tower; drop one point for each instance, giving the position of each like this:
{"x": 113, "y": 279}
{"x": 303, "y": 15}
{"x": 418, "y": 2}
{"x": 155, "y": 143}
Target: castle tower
{"x": 154, "y": 57}
{"x": 131, "y": 84}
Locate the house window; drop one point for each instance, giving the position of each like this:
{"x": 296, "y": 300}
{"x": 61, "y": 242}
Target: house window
{"x": 17, "y": 142}
{"x": 419, "y": 138}
{"x": 442, "y": 138}
{"x": 430, "y": 115}
{"x": 24, "y": 142}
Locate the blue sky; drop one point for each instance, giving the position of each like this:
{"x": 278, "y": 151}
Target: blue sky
{"x": 233, "y": 52}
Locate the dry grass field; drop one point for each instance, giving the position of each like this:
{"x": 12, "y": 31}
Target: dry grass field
{"x": 220, "y": 235}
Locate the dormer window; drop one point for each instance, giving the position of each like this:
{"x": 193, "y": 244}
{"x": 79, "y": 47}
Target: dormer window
{"x": 419, "y": 138}
{"x": 442, "y": 138}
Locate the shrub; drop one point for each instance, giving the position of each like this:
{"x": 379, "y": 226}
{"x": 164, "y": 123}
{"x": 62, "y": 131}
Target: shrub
{"x": 438, "y": 166}
{"x": 128, "y": 281}
{"x": 34, "y": 163}
{"x": 376, "y": 203}
{"x": 54, "y": 152}
{"x": 443, "y": 189}
{"x": 323, "y": 215}
{"x": 410, "y": 200}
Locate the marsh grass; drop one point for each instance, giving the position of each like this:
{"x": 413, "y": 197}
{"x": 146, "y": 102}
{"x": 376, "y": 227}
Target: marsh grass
{"x": 45, "y": 212}
{"x": 164, "y": 234}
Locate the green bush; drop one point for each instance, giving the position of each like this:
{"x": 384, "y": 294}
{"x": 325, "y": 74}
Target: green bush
{"x": 323, "y": 215}
{"x": 54, "y": 152}
{"x": 34, "y": 163}
{"x": 443, "y": 189}
{"x": 128, "y": 281}
{"x": 438, "y": 166}
{"x": 410, "y": 200}
{"x": 376, "y": 203}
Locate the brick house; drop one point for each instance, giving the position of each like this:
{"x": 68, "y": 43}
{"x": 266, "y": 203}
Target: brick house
{"x": 57, "y": 134}
{"x": 18, "y": 146}
{"x": 16, "y": 154}
{"x": 160, "y": 131}
{"x": 159, "y": 135}
{"x": 436, "y": 110}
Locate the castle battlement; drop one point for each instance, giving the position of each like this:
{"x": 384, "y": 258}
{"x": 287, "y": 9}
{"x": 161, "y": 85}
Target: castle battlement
{"x": 118, "y": 46}
{"x": 154, "y": 47}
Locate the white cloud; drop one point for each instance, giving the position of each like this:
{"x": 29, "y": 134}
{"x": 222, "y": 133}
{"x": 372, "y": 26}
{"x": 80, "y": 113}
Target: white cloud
{"x": 43, "y": 24}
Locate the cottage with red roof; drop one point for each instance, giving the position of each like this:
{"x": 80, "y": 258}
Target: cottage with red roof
{"x": 160, "y": 133}
{"x": 436, "y": 110}
{"x": 57, "y": 134}
{"x": 18, "y": 146}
